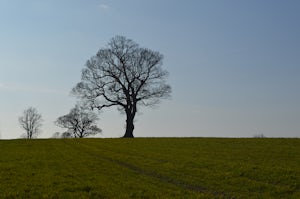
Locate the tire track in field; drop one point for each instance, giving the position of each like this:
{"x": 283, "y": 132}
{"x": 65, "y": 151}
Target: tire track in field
{"x": 151, "y": 174}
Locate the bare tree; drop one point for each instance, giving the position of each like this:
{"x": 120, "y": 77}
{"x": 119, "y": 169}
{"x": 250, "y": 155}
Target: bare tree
{"x": 31, "y": 122}
{"x": 80, "y": 122}
{"x": 259, "y": 135}
{"x": 56, "y": 135}
{"x": 123, "y": 75}
{"x": 66, "y": 135}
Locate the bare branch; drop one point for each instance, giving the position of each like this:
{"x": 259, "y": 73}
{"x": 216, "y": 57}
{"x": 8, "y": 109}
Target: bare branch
{"x": 80, "y": 122}
{"x": 123, "y": 75}
{"x": 31, "y": 122}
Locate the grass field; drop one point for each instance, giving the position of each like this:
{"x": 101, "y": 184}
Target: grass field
{"x": 150, "y": 168}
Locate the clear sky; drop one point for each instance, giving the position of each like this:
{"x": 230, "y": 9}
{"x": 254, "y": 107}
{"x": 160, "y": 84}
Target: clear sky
{"x": 234, "y": 65}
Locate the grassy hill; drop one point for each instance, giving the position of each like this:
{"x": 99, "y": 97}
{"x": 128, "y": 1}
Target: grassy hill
{"x": 150, "y": 167}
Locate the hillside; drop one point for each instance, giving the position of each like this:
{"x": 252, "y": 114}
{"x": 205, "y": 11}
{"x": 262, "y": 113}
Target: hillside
{"x": 150, "y": 167}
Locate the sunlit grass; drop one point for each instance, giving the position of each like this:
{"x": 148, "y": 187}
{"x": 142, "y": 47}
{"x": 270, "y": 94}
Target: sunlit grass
{"x": 150, "y": 167}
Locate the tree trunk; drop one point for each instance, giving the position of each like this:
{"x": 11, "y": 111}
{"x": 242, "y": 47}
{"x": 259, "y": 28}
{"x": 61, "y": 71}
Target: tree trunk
{"x": 129, "y": 127}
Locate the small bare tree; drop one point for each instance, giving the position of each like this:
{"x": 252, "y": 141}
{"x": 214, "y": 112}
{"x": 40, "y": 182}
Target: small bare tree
{"x": 31, "y": 122}
{"x": 56, "y": 135}
{"x": 259, "y": 135}
{"x": 66, "y": 135}
{"x": 123, "y": 75}
{"x": 80, "y": 122}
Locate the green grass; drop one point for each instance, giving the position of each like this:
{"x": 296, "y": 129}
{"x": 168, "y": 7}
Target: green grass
{"x": 150, "y": 168}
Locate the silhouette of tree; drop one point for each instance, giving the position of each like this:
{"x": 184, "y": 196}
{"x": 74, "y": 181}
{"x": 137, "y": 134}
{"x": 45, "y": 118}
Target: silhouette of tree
{"x": 80, "y": 122}
{"x": 56, "y": 135}
{"x": 66, "y": 135}
{"x": 123, "y": 75}
{"x": 31, "y": 122}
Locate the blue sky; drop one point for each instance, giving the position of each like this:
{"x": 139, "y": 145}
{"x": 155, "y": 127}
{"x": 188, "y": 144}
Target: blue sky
{"x": 234, "y": 65}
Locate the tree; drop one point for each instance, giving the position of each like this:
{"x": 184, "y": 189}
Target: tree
{"x": 123, "y": 75}
{"x": 66, "y": 135}
{"x": 31, "y": 122}
{"x": 56, "y": 135}
{"x": 80, "y": 122}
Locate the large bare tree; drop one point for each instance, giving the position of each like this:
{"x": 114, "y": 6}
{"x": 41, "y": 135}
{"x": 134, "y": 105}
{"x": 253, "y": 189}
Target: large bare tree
{"x": 80, "y": 122}
{"x": 31, "y": 122}
{"x": 124, "y": 75}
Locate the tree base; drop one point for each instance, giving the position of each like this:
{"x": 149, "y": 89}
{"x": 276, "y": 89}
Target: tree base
{"x": 128, "y": 136}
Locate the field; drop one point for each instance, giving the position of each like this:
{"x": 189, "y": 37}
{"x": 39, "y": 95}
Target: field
{"x": 150, "y": 168}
